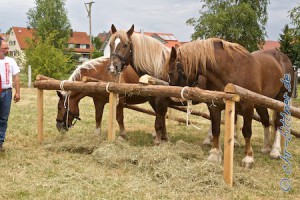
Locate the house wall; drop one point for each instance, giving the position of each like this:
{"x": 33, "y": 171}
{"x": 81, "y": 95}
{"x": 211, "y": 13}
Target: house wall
{"x": 15, "y": 49}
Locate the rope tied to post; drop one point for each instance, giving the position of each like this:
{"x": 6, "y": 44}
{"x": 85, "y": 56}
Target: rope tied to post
{"x": 61, "y": 86}
{"x": 182, "y": 91}
{"x": 106, "y": 88}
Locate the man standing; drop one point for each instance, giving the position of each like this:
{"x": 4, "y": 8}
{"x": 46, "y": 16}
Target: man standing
{"x": 9, "y": 71}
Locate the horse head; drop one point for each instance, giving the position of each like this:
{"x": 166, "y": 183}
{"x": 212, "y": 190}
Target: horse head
{"x": 68, "y": 110}
{"x": 120, "y": 49}
{"x": 175, "y": 70}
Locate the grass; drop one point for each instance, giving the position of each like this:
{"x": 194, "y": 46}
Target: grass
{"x": 82, "y": 165}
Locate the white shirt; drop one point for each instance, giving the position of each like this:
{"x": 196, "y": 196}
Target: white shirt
{"x": 8, "y": 68}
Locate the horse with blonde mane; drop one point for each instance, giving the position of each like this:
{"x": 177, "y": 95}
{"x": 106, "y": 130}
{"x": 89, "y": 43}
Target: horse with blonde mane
{"x": 147, "y": 56}
{"x": 215, "y": 63}
{"x": 68, "y": 104}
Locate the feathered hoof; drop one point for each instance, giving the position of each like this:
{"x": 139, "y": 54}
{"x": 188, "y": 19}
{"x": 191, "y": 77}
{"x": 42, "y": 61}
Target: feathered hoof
{"x": 97, "y": 131}
{"x": 215, "y": 156}
{"x": 275, "y": 153}
{"x": 248, "y": 162}
{"x": 266, "y": 150}
{"x": 236, "y": 143}
{"x": 207, "y": 141}
{"x": 157, "y": 141}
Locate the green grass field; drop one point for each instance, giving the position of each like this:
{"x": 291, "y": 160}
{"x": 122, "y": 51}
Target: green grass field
{"x": 82, "y": 165}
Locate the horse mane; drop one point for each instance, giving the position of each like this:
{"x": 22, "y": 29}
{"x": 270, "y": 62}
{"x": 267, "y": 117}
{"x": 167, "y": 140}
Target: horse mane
{"x": 201, "y": 52}
{"x": 149, "y": 54}
{"x": 89, "y": 64}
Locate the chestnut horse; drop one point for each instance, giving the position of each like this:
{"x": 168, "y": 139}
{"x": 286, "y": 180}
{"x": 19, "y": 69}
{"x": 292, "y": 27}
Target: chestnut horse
{"x": 68, "y": 108}
{"x": 216, "y": 63}
{"x": 147, "y": 56}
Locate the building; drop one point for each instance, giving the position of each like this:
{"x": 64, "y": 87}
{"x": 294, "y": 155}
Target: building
{"x": 168, "y": 39}
{"x": 78, "y": 41}
{"x": 269, "y": 44}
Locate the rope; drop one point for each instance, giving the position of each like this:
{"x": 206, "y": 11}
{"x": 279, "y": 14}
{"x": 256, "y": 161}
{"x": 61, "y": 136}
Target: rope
{"x": 107, "y": 87}
{"x": 188, "y": 112}
{"x": 182, "y": 92}
{"x": 62, "y": 85}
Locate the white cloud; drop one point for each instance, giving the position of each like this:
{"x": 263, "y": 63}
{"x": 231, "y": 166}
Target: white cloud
{"x": 156, "y": 15}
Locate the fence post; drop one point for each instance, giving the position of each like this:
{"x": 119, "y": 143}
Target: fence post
{"x": 113, "y": 102}
{"x": 40, "y": 110}
{"x": 29, "y": 76}
{"x": 229, "y": 138}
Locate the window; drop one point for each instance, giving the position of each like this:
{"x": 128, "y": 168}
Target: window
{"x": 71, "y": 45}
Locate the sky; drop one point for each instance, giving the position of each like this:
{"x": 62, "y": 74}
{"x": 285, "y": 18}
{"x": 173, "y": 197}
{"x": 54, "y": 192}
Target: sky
{"x": 167, "y": 16}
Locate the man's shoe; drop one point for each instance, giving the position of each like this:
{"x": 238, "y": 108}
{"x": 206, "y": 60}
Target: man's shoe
{"x": 1, "y": 147}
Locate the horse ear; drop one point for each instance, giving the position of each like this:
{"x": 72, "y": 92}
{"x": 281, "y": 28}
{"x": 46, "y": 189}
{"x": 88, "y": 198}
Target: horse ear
{"x": 59, "y": 94}
{"x": 113, "y": 29}
{"x": 130, "y": 32}
{"x": 173, "y": 54}
{"x": 176, "y": 46}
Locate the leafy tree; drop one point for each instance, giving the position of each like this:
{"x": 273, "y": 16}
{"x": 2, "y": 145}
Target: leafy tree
{"x": 240, "y": 21}
{"x": 286, "y": 43}
{"x": 46, "y": 59}
{"x": 295, "y": 17}
{"x": 50, "y": 16}
{"x": 97, "y": 47}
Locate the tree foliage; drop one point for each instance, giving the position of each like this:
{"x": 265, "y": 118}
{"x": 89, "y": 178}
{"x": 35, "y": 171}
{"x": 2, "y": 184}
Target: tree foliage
{"x": 50, "y": 16}
{"x": 240, "y": 21}
{"x": 46, "y": 59}
{"x": 97, "y": 47}
{"x": 286, "y": 41}
{"x": 295, "y": 17}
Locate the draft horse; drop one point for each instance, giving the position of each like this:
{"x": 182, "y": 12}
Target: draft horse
{"x": 147, "y": 56}
{"x": 216, "y": 63}
{"x": 68, "y": 104}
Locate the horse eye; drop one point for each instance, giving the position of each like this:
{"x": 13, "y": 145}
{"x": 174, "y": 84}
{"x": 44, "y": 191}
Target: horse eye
{"x": 125, "y": 45}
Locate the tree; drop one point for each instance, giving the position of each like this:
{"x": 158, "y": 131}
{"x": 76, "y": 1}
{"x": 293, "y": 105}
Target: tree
{"x": 286, "y": 43}
{"x": 97, "y": 47}
{"x": 46, "y": 59}
{"x": 50, "y": 16}
{"x": 295, "y": 17}
{"x": 240, "y": 21}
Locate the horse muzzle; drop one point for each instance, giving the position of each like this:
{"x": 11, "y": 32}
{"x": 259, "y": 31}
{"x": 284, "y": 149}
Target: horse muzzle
{"x": 61, "y": 127}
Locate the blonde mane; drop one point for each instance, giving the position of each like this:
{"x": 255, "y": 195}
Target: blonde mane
{"x": 90, "y": 64}
{"x": 201, "y": 52}
{"x": 149, "y": 55}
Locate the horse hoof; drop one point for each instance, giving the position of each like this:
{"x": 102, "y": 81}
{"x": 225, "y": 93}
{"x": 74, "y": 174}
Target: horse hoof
{"x": 275, "y": 153}
{"x": 157, "y": 141}
{"x": 248, "y": 162}
{"x": 207, "y": 141}
{"x": 97, "y": 131}
{"x": 266, "y": 150}
{"x": 236, "y": 143}
{"x": 215, "y": 156}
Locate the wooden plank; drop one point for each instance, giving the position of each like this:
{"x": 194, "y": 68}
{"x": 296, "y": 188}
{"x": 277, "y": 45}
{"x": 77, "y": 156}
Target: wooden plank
{"x": 150, "y": 80}
{"x": 261, "y": 100}
{"x": 113, "y": 101}
{"x": 40, "y": 110}
{"x": 193, "y": 93}
{"x": 229, "y": 142}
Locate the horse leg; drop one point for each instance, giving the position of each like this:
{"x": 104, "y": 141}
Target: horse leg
{"x": 276, "y": 147}
{"x": 208, "y": 139}
{"x": 160, "y": 106}
{"x": 120, "y": 118}
{"x": 215, "y": 154}
{"x": 99, "y": 106}
{"x": 264, "y": 117}
{"x": 248, "y": 160}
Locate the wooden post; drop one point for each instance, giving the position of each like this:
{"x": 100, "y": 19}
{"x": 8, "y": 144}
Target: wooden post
{"x": 40, "y": 110}
{"x": 229, "y": 137}
{"x": 229, "y": 142}
{"x": 113, "y": 102}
